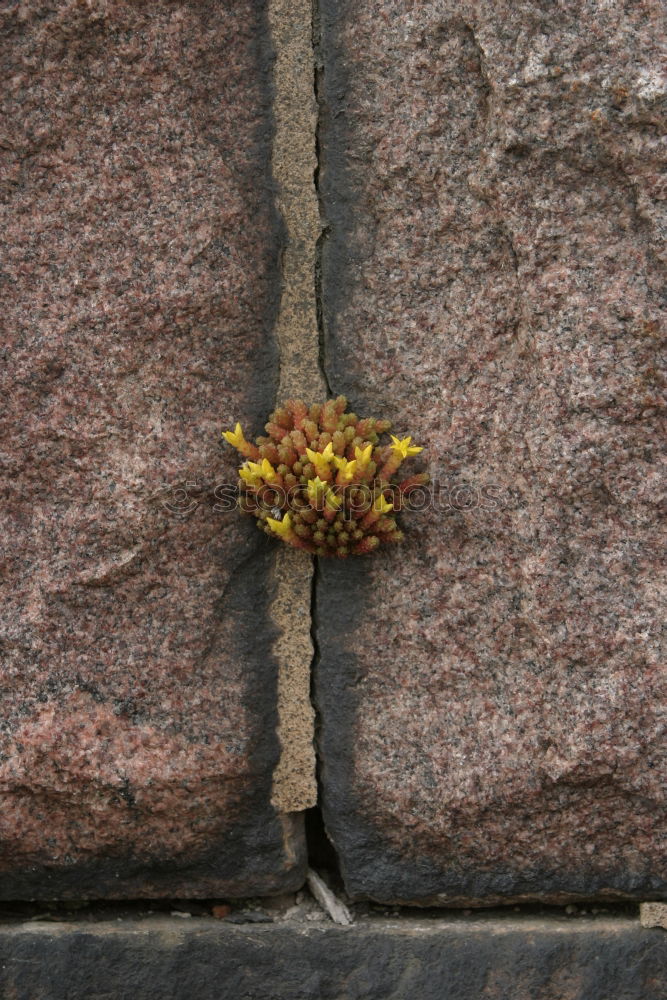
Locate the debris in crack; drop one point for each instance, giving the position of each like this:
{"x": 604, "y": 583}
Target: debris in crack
{"x": 337, "y": 910}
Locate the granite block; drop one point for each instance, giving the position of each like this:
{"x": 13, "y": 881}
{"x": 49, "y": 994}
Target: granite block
{"x": 138, "y": 289}
{"x": 493, "y": 694}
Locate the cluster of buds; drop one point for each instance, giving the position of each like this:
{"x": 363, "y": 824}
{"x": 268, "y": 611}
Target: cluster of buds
{"x": 322, "y": 481}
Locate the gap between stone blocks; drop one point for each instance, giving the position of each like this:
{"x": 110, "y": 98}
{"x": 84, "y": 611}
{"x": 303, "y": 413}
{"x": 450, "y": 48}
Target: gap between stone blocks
{"x": 298, "y": 332}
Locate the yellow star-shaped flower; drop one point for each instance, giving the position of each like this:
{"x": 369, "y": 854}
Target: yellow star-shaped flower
{"x": 333, "y": 500}
{"x": 403, "y": 447}
{"x": 317, "y": 457}
{"x": 382, "y": 506}
{"x": 249, "y": 477}
{"x": 253, "y": 473}
{"x": 281, "y": 528}
{"x": 317, "y": 490}
{"x": 363, "y": 455}
{"x": 267, "y": 472}
{"x": 235, "y": 437}
{"x": 346, "y": 469}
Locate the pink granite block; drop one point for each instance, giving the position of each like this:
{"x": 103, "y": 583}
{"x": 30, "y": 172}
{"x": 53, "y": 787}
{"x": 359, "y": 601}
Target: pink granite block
{"x": 493, "y": 694}
{"x": 138, "y": 281}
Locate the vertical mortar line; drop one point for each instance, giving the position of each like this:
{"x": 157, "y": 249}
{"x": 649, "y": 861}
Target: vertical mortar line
{"x": 318, "y": 73}
{"x": 294, "y": 163}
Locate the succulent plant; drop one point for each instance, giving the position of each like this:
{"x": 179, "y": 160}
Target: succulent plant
{"x": 322, "y": 481}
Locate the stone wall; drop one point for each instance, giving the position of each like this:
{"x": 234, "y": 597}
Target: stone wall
{"x": 451, "y": 213}
{"x": 491, "y": 178}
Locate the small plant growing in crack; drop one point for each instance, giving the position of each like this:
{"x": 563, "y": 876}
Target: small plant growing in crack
{"x": 322, "y": 480}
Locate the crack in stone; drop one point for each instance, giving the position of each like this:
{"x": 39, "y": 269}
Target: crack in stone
{"x": 318, "y": 73}
{"x": 482, "y": 67}
{"x": 298, "y": 331}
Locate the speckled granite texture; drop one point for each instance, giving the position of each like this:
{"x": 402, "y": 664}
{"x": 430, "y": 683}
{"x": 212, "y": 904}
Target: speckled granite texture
{"x": 138, "y": 287}
{"x": 493, "y": 695}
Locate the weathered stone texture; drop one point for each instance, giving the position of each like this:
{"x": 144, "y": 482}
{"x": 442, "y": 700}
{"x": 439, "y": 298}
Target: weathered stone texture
{"x": 653, "y": 915}
{"x": 487, "y": 959}
{"x": 494, "y": 693}
{"x": 294, "y": 163}
{"x": 138, "y": 286}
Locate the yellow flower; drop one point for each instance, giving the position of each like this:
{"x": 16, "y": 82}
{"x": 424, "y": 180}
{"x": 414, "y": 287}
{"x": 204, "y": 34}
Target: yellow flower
{"x": 321, "y": 459}
{"x": 333, "y": 500}
{"x": 235, "y": 437}
{"x": 249, "y": 477}
{"x": 403, "y": 448}
{"x": 267, "y": 472}
{"x": 253, "y": 473}
{"x": 382, "y": 506}
{"x": 282, "y": 528}
{"x": 317, "y": 490}
{"x": 347, "y": 469}
{"x": 320, "y": 456}
{"x": 363, "y": 455}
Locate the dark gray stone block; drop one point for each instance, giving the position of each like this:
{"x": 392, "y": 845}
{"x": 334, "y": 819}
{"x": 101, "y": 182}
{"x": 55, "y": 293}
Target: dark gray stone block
{"x": 466, "y": 959}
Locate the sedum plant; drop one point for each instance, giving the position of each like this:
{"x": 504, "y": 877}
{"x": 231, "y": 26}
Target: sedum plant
{"x": 322, "y": 480}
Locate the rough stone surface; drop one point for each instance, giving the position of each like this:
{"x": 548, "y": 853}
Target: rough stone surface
{"x": 294, "y": 163}
{"x": 493, "y": 695}
{"x": 653, "y": 915}
{"x": 611, "y": 959}
{"x": 294, "y": 169}
{"x": 138, "y": 287}
{"x": 294, "y": 777}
